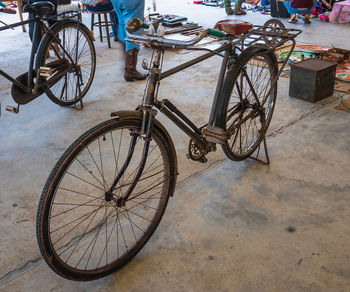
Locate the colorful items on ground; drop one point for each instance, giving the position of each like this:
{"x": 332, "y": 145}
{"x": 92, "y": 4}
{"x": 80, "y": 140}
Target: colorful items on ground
{"x": 343, "y": 74}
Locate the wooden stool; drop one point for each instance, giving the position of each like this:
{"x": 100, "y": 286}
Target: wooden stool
{"x": 20, "y": 11}
{"x": 100, "y": 23}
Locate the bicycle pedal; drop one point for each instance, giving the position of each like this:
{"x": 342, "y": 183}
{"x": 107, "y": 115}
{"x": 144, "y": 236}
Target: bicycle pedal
{"x": 215, "y": 134}
{"x": 45, "y": 71}
{"x": 145, "y": 64}
{"x": 12, "y": 109}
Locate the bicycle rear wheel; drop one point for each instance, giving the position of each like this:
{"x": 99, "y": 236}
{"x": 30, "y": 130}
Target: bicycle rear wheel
{"x": 249, "y": 106}
{"x": 72, "y": 69}
{"x": 82, "y": 231}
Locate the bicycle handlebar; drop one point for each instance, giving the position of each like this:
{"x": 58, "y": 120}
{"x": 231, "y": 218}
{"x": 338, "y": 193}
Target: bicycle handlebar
{"x": 9, "y": 11}
{"x": 135, "y": 24}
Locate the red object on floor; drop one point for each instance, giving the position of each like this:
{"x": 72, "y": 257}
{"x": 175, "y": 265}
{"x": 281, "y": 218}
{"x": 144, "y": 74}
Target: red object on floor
{"x": 197, "y": 2}
{"x": 241, "y": 12}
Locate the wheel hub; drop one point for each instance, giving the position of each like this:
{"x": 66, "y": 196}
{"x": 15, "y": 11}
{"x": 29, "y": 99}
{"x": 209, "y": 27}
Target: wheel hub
{"x": 108, "y": 196}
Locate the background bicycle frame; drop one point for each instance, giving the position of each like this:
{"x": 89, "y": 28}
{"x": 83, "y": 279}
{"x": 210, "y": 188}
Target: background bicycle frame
{"x": 39, "y": 22}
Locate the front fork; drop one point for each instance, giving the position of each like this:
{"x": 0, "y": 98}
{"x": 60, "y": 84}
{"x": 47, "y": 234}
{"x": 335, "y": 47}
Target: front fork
{"x": 145, "y": 134}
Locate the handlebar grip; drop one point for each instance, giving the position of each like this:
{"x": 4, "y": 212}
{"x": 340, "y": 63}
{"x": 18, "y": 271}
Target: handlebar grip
{"x": 217, "y": 33}
{"x": 144, "y": 25}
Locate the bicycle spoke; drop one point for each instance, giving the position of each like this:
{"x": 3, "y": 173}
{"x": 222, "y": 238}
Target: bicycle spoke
{"x": 103, "y": 177}
{"x": 54, "y": 243}
{"x": 96, "y": 165}
{"x": 89, "y": 183}
{"x": 107, "y": 241}
{"x": 75, "y": 49}
{"x": 79, "y": 205}
{"x": 250, "y": 108}
{"x": 65, "y": 225}
{"x": 76, "y": 192}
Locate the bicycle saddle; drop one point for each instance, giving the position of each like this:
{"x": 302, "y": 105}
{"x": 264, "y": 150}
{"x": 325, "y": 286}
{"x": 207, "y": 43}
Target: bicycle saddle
{"x": 40, "y": 8}
{"x": 233, "y": 26}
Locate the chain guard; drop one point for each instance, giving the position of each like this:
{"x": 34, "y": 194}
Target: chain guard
{"x": 19, "y": 95}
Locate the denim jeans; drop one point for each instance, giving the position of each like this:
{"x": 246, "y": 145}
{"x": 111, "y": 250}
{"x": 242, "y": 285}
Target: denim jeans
{"x": 31, "y": 25}
{"x": 125, "y": 10}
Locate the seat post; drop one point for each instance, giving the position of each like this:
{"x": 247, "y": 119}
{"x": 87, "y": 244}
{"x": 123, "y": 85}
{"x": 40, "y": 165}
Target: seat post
{"x": 32, "y": 53}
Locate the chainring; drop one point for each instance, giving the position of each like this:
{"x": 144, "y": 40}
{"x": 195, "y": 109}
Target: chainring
{"x": 194, "y": 151}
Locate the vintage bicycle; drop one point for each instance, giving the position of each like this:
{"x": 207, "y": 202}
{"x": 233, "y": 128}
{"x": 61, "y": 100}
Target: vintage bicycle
{"x": 62, "y": 66}
{"x": 107, "y": 193}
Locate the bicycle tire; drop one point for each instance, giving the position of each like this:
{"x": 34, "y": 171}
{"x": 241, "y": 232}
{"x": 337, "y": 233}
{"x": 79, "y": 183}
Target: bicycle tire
{"x": 116, "y": 240}
{"x": 246, "y": 133}
{"x": 69, "y": 88}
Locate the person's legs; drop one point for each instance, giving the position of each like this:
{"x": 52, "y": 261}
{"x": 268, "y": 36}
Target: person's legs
{"x": 130, "y": 12}
{"x": 307, "y": 18}
{"x": 131, "y": 49}
{"x": 308, "y": 12}
{"x": 293, "y": 18}
{"x": 121, "y": 22}
{"x": 238, "y": 5}
{"x": 228, "y": 8}
{"x": 292, "y": 11}
{"x": 32, "y": 25}
{"x": 114, "y": 29}
{"x": 127, "y": 9}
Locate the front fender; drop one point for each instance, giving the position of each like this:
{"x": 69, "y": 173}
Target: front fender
{"x": 138, "y": 115}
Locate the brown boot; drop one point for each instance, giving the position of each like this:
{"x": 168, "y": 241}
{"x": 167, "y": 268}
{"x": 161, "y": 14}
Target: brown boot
{"x": 131, "y": 73}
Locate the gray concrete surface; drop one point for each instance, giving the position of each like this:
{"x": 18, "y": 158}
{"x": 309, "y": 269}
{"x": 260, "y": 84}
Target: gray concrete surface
{"x": 226, "y": 229}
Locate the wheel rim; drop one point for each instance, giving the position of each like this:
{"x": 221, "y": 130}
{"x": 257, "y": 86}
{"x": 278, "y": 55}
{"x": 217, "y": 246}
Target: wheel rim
{"x": 272, "y": 25}
{"x": 90, "y": 234}
{"x": 246, "y": 120}
{"x": 76, "y": 81}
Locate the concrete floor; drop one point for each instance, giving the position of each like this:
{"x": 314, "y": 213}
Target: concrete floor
{"x": 226, "y": 229}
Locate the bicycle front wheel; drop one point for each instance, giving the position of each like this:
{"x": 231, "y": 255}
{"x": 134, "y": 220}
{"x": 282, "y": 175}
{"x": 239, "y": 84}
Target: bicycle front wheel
{"x": 251, "y": 96}
{"x": 71, "y": 62}
{"x": 82, "y": 231}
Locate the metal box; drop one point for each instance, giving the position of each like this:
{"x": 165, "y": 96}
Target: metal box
{"x": 312, "y": 79}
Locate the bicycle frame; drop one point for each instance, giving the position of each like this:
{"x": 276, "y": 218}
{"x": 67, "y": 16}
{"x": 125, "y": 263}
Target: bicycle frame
{"x": 38, "y": 22}
{"x": 181, "y": 120}
{"x": 167, "y": 108}
{"x": 32, "y": 53}
{"x": 184, "y": 123}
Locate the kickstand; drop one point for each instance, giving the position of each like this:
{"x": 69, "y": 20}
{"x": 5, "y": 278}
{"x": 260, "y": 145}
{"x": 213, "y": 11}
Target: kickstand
{"x": 79, "y": 89}
{"x": 267, "y": 161}
{"x": 80, "y": 106}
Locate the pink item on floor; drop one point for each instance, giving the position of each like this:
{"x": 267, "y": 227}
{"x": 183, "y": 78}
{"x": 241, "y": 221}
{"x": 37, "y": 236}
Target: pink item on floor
{"x": 323, "y": 17}
{"x": 340, "y": 12}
